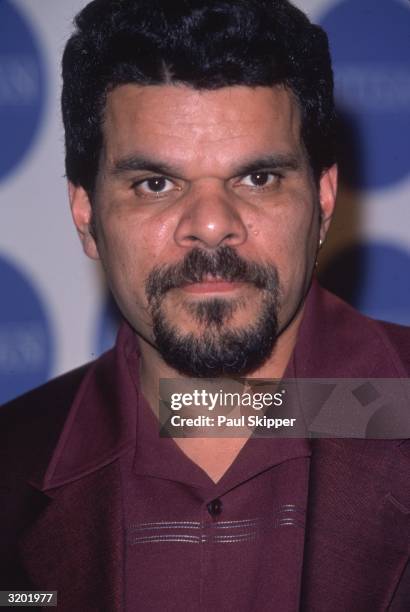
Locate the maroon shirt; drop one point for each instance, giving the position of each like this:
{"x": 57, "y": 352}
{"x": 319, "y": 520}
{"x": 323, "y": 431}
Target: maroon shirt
{"x": 192, "y": 544}
{"x": 356, "y": 548}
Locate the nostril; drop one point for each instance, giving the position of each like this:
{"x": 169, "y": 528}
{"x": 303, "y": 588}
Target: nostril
{"x": 210, "y": 222}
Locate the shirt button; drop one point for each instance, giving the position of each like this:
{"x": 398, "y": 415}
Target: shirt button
{"x": 215, "y": 507}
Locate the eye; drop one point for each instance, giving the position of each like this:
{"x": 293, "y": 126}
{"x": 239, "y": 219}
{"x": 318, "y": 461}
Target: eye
{"x": 260, "y": 179}
{"x": 154, "y": 185}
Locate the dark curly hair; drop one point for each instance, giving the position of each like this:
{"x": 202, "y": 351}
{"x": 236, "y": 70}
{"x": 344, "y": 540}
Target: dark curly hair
{"x": 206, "y": 44}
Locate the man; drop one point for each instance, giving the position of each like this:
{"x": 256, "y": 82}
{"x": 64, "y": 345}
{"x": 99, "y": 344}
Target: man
{"x": 201, "y": 169}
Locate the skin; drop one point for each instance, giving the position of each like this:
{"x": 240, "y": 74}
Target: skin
{"x": 209, "y": 140}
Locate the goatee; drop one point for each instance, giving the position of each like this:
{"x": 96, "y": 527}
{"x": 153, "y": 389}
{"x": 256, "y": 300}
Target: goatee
{"x": 219, "y": 350}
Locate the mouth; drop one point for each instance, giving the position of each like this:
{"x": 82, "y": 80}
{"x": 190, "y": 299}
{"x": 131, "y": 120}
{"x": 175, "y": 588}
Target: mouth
{"x": 212, "y": 284}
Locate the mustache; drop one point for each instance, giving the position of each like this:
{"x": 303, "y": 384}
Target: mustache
{"x": 224, "y": 263}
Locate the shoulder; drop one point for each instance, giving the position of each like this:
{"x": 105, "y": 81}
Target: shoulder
{"x": 382, "y": 341}
{"x": 337, "y": 341}
{"x": 47, "y": 401}
{"x": 398, "y": 337}
{"x": 31, "y": 423}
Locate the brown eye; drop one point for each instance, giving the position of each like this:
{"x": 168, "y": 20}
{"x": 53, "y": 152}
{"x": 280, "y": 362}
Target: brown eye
{"x": 260, "y": 179}
{"x": 154, "y": 185}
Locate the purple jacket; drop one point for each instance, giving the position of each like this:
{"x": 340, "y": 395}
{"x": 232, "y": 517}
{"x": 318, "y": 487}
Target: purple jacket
{"x": 61, "y": 532}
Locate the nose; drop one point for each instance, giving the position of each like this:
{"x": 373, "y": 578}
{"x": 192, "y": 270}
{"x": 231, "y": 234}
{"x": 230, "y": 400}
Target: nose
{"x": 211, "y": 220}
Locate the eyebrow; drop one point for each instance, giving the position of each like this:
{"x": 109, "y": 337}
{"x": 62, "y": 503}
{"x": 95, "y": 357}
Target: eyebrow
{"x": 134, "y": 163}
{"x": 279, "y": 161}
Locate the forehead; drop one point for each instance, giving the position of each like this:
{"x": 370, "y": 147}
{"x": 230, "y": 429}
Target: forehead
{"x": 178, "y": 121}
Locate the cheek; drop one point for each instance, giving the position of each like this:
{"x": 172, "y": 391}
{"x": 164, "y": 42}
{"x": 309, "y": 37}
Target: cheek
{"x": 122, "y": 261}
{"x": 142, "y": 231}
{"x": 290, "y": 244}
{"x": 302, "y": 253}
{"x": 130, "y": 247}
{"x": 290, "y": 234}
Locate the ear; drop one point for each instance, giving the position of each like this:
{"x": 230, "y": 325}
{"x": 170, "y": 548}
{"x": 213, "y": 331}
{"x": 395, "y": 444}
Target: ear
{"x": 82, "y": 213}
{"x": 327, "y": 197}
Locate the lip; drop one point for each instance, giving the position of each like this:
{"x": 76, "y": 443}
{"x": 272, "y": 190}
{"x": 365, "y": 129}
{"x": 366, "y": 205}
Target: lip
{"x": 213, "y": 286}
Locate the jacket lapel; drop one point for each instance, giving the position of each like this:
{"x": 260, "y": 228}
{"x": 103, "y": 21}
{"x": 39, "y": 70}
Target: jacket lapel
{"x": 357, "y": 543}
{"x": 358, "y": 522}
{"x": 76, "y": 544}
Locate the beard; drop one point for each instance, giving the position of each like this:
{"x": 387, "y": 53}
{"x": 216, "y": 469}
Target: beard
{"x": 219, "y": 350}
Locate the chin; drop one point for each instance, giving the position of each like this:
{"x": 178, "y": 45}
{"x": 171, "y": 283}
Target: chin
{"x": 217, "y": 347}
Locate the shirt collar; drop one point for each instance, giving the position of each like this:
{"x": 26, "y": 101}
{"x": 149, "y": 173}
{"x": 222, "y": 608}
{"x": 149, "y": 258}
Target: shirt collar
{"x": 100, "y": 426}
{"x": 160, "y": 457}
{"x": 102, "y": 421}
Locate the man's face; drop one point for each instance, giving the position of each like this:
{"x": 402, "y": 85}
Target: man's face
{"x": 207, "y": 220}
